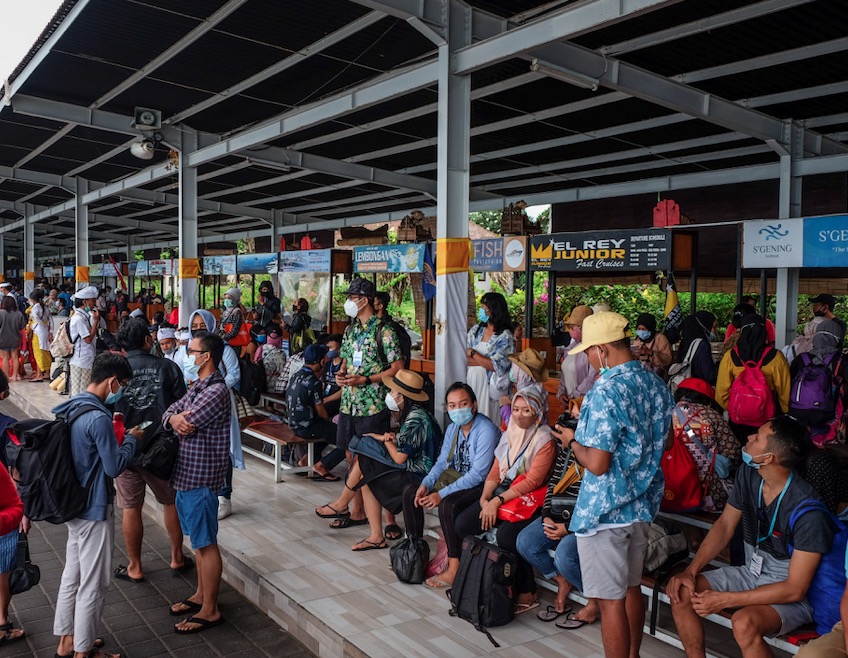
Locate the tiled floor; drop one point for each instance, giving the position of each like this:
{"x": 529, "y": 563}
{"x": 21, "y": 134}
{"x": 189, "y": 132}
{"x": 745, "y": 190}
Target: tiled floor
{"x": 287, "y": 561}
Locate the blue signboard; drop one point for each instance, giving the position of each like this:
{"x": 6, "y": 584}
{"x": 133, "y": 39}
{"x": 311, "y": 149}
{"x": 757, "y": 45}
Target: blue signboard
{"x": 309, "y": 260}
{"x": 389, "y": 258}
{"x": 826, "y": 241}
{"x": 258, "y": 263}
{"x": 488, "y": 255}
{"x": 68, "y": 270}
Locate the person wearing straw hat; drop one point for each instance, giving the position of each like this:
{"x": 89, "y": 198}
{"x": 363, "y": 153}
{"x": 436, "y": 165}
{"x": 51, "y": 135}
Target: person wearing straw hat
{"x": 577, "y": 373}
{"x": 623, "y": 429}
{"x": 527, "y": 370}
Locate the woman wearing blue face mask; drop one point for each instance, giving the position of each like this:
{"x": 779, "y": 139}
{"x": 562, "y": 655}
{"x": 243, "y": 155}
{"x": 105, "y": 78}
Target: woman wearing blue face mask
{"x": 489, "y": 344}
{"x": 232, "y": 317}
{"x": 652, "y": 348}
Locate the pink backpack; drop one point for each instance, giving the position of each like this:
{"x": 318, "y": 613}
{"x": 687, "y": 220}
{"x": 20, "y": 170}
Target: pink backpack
{"x": 751, "y": 399}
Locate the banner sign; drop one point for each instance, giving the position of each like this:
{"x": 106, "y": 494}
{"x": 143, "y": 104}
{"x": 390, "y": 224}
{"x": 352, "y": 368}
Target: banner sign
{"x": 219, "y": 265}
{"x": 825, "y": 241}
{"x": 310, "y": 260}
{"x": 142, "y": 268}
{"x": 160, "y": 267}
{"x": 95, "y": 269}
{"x": 389, "y": 258}
{"x": 773, "y": 243}
{"x": 258, "y": 263}
{"x": 644, "y": 250}
{"x": 499, "y": 254}
{"x": 68, "y": 271}
{"x": 796, "y": 242}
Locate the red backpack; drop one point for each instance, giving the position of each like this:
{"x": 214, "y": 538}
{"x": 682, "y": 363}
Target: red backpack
{"x": 751, "y": 399}
{"x": 682, "y": 491}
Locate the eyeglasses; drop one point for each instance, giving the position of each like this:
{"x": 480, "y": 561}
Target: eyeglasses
{"x": 191, "y": 351}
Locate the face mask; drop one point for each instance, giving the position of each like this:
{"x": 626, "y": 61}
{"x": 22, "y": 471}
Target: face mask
{"x": 228, "y": 303}
{"x": 294, "y": 308}
{"x": 261, "y": 339}
{"x": 643, "y": 334}
{"x": 192, "y": 370}
{"x": 749, "y": 459}
{"x": 112, "y": 398}
{"x": 332, "y": 354}
{"x": 171, "y": 350}
{"x": 482, "y": 316}
{"x": 391, "y": 403}
{"x": 461, "y": 416}
{"x": 604, "y": 368}
{"x": 351, "y": 308}
{"x": 513, "y": 374}
{"x": 712, "y": 336}
{"x": 819, "y": 314}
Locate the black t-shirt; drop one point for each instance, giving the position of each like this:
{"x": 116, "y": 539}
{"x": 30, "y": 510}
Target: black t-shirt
{"x": 813, "y": 530}
{"x": 303, "y": 393}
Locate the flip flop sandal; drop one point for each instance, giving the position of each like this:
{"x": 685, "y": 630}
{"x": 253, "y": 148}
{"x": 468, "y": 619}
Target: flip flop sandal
{"x": 121, "y": 573}
{"x": 346, "y": 522}
{"x": 203, "y": 624}
{"x": 187, "y": 565}
{"x": 329, "y": 477}
{"x": 434, "y": 582}
{"x": 521, "y": 608}
{"x": 570, "y": 622}
{"x": 335, "y": 515}
{"x": 190, "y": 608}
{"x": 371, "y": 546}
{"x": 6, "y": 637}
{"x": 99, "y": 643}
{"x": 551, "y": 613}
{"x": 393, "y": 532}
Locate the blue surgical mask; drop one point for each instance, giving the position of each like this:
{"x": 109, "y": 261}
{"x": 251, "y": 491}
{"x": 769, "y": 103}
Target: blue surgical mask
{"x": 643, "y": 334}
{"x": 112, "y": 398}
{"x": 191, "y": 368}
{"x": 261, "y": 338}
{"x": 712, "y": 337}
{"x": 461, "y": 416}
{"x": 228, "y": 303}
{"x": 749, "y": 459}
{"x": 482, "y": 316}
{"x": 332, "y": 354}
{"x": 600, "y": 361}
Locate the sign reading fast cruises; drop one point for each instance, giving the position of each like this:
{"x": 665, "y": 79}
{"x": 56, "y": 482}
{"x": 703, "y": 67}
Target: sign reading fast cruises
{"x": 644, "y": 250}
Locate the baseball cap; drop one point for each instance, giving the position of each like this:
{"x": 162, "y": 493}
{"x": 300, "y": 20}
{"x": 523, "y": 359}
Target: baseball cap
{"x": 830, "y": 300}
{"x": 314, "y": 353}
{"x": 363, "y": 287}
{"x": 602, "y": 329}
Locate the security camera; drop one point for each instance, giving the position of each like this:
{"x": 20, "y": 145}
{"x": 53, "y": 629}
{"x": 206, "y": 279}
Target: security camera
{"x": 143, "y": 149}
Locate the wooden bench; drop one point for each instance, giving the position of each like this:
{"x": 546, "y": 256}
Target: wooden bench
{"x": 277, "y": 435}
{"x": 266, "y": 402}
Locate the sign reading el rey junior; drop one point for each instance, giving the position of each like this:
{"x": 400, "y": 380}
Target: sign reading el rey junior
{"x": 613, "y": 251}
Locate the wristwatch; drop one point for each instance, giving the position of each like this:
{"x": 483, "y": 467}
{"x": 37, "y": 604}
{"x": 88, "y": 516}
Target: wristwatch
{"x": 367, "y": 380}
{"x": 501, "y": 498}
{"x": 570, "y": 443}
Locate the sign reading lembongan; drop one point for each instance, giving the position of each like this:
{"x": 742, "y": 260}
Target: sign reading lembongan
{"x": 645, "y": 250}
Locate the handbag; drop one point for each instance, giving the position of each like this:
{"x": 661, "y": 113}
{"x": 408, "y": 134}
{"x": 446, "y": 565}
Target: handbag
{"x": 160, "y": 456}
{"x": 682, "y": 492}
{"x": 242, "y": 338}
{"x": 721, "y": 465}
{"x": 409, "y": 558}
{"x": 25, "y": 575}
{"x": 523, "y": 507}
{"x": 449, "y": 475}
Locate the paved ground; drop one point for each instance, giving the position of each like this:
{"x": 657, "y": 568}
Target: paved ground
{"x": 136, "y": 622}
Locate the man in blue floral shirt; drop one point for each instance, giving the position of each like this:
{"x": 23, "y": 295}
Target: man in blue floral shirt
{"x": 370, "y": 355}
{"x": 624, "y": 427}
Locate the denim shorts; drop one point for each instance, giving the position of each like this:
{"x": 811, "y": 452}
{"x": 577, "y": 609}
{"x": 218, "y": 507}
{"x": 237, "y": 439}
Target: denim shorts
{"x": 198, "y": 512}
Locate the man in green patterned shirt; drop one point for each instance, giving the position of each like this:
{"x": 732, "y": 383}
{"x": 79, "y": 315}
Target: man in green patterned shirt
{"x": 370, "y": 354}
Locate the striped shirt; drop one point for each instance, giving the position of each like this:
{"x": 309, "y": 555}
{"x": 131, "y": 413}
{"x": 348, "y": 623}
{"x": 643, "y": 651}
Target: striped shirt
{"x": 204, "y": 454}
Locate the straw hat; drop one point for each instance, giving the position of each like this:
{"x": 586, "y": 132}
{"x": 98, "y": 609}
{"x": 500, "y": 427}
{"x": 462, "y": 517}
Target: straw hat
{"x": 531, "y": 362}
{"x": 578, "y": 314}
{"x": 409, "y": 384}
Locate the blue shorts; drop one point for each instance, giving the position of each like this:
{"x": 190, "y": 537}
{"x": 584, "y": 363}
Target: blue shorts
{"x": 198, "y": 512}
{"x": 8, "y": 550}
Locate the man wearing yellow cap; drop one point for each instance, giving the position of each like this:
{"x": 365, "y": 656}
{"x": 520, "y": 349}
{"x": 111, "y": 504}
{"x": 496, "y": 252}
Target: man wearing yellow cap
{"x": 624, "y": 426}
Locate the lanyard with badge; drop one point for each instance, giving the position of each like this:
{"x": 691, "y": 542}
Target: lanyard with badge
{"x": 358, "y": 341}
{"x": 756, "y": 558}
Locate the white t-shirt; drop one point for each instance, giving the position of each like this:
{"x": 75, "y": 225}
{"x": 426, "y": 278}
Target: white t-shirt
{"x": 84, "y": 353}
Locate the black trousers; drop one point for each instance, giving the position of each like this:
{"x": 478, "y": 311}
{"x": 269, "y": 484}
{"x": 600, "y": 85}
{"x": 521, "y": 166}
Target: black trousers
{"x": 449, "y": 509}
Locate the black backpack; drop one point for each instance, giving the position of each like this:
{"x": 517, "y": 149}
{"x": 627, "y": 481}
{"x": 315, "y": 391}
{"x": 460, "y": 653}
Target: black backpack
{"x": 40, "y": 461}
{"x": 253, "y": 380}
{"x": 483, "y": 591}
{"x": 404, "y": 342}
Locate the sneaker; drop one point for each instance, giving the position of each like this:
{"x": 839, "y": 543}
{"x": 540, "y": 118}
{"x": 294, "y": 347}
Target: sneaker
{"x": 225, "y": 507}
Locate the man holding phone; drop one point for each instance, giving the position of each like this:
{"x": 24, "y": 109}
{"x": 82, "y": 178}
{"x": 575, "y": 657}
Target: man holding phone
{"x": 156, "y": 384}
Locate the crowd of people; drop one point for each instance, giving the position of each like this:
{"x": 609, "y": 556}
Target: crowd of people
{"x": 760, "y": 449}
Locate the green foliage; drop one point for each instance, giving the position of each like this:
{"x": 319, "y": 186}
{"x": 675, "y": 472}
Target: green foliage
{"x": 488, "y": 219}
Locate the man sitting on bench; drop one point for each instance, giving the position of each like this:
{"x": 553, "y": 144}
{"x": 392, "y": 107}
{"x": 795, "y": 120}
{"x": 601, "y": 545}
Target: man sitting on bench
{"x": 769, "y": 590}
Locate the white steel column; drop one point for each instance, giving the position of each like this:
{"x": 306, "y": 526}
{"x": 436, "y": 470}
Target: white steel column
{"x": 786, "y": 316}
{"x": 188, "y": 264}
{"x": 29, "y": 251}
{"x": 454, "y": 126}
{"x": 81, "y": 237}
{"x": 2, "y": 256}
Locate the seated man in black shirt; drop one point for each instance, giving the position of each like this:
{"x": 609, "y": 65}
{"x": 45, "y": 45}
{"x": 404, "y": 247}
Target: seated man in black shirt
{"x": 308, "y": 417}
{"x": 332, "y": 391}
{"x": 769, "y": 590}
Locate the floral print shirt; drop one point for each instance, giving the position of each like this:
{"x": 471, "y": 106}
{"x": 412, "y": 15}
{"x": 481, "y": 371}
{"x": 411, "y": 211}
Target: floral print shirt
{"x": 418, "y": 438}
{"x": 497, "y": 348}
{"x": 370, "y": 399}
{"x": 627, "y": 413}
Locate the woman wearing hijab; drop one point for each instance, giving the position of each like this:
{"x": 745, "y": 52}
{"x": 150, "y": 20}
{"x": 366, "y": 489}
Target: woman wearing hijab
{"x": 699, "y": 327}
{"x": 653, "y": 349}
{"x": 752, "y": 346}
{"x": 233, "y": 315}
{"x": 803, "y": 343}
{"x": 526, "y": 448}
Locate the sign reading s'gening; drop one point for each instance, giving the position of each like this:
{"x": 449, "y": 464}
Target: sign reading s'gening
{"x": 797, "y": 242}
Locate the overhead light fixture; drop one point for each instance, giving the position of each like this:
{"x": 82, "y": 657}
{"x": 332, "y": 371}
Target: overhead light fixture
{"x": 271, "y": 164}
{"x": 559, "y": 73}
{"x": 143, "y": 149}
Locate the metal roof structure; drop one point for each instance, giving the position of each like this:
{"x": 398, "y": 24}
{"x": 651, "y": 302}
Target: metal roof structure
{"x": 310, "y": 115}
